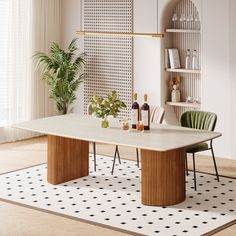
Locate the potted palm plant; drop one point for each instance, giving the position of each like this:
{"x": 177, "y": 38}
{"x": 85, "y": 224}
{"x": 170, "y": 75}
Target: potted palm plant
{"x": 62, "y": 72}
{"x": 102, "y": 107}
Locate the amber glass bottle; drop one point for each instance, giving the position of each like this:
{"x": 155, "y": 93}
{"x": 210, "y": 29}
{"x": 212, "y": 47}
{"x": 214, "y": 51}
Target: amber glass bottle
{"x": 135, "y": 112}
{"x": 145, "y": 114}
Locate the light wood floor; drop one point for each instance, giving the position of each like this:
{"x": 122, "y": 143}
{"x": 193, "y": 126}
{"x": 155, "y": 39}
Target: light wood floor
{"x": 21, "y": 221}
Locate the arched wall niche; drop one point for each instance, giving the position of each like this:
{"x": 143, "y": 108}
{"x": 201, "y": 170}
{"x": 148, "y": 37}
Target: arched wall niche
{"x": 183, "y": 34}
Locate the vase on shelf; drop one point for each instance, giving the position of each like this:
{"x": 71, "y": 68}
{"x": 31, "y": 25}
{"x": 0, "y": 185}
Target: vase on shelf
{"x": 105, "y": 122}
{"x": 175, "y": 94}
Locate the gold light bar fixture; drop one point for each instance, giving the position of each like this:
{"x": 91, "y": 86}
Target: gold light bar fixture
{"x": 92, "y": 33}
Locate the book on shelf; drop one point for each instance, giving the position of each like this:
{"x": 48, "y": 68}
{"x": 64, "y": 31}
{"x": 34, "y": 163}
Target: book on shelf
{"x": 167, "y": 60}
{"x": 174, "y": 59}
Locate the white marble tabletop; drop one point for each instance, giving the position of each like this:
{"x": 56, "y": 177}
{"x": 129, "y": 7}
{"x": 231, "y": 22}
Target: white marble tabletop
{"x": 159, "y": 138}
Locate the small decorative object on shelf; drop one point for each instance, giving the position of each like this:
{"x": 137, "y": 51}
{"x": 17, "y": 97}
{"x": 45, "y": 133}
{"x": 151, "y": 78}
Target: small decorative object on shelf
{"x": 174, "y": 86}
{"x": 135, "y": 112}
{"x": 189, "y": 18}
{"x": 196, "y": 100}
{"x": 182, "y": 17}
{"x": 145, "y": 114}
{"x": 187, "y": 59}
{"x": 175, "y": 94}
{"x": 175, "y": 17}
{"x": 174, "y": 58}
{"x": 108, "y": 106}
{"x": 195, "y": 65}
{"x": 189, "y": 99}
{"x": 174, "y": 20}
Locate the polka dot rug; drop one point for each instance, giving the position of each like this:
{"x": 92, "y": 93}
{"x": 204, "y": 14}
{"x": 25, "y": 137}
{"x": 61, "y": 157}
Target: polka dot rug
{"x": 115, "y": 200}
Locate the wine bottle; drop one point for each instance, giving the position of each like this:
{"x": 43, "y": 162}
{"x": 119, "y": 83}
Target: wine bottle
{"x": 145, "y": 114}
{"x": 135, "y": 112}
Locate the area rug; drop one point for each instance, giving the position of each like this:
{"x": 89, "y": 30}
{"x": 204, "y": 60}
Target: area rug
{"x": 115, "y": 201}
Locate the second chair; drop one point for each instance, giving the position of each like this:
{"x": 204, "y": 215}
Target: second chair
{"x": 204, "y": 121}
{"x": 156, "y": 117}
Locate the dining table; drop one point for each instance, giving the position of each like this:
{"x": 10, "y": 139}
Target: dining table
{"x": 162, "y": 151}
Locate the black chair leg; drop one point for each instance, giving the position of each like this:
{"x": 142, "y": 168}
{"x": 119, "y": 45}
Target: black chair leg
{"x": 214, "y": 160}
{"x": 186, "y": 163}
{"x": 194, "y": 172}
{"x": 114, "y": 161}
{"x": 118, "y": 153}
{"x": 94, "y": 156}
{"x": 137, "y": 154}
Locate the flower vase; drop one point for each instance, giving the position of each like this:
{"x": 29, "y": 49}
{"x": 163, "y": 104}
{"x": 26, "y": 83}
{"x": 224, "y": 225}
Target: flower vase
{"x": 105, "y": 123}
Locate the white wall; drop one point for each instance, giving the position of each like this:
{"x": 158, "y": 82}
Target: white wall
{"x": 71, "y": 22}
{"x": 215, "y": 69}
{"x": 232, "y": 48}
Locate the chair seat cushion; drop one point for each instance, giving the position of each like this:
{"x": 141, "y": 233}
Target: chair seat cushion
{"x": 197, "y": 148}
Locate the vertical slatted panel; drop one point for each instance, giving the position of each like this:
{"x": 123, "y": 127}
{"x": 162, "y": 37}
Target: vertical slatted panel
{"x": 190, "y": 83}
{"x": 109, "y": 63}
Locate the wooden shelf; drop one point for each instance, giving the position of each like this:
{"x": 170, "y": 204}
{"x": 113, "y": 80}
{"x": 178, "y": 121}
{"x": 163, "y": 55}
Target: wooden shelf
{"x": 183, "y": 71}
{"x": 184, "y": 104}
{"x": 182, "y": 31}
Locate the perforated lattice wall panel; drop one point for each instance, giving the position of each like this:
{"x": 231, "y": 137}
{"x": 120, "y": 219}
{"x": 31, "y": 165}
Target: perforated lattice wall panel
{"x": 109, "y": 64}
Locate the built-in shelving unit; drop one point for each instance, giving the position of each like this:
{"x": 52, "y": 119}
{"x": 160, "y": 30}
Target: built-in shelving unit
{"x": 183, "y": 31}
{"x": 183, "y": 71}
{"x": 183, "y": 35}
{"x": 184, "y": 104}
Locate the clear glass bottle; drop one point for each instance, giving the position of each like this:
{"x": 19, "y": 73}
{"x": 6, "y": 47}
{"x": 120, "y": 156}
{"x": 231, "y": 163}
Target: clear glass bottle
{"x": 174, "y": 20}
{"x": 182, "y": 17}
{"x": 187, "y": 59}
{"x": 195, "y": 60}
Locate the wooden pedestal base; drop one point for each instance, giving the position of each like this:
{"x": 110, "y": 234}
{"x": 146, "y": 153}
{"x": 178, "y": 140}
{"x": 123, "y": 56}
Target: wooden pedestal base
{"x": 68, "y": 159}
{"x": 163, "y": 177}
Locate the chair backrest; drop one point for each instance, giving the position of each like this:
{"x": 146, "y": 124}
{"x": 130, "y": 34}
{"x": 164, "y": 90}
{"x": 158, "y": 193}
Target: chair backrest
{"x": 199, "y": 120}
{"x": 89, "y": 109}
{"x": 157, "y": 115}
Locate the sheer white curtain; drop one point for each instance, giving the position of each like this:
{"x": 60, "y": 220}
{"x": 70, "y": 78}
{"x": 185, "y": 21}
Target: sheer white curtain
{"x": 28, "y": 26}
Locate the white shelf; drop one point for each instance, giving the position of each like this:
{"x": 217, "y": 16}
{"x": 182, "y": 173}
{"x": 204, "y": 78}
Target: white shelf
{"x": 182, "y": 31}
{"x": 183, "y": 71}
{"x": 184, "y": 104}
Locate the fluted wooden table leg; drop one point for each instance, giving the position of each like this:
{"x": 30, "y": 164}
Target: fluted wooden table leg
{"x": 68, "y": 159}
{"x": 163, "y": 177}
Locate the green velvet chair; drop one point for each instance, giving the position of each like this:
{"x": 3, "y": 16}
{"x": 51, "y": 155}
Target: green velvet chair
{"x": 204, "y": 121}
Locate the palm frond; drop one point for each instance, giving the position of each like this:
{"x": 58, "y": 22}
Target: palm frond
{"x": 62, "y": 72}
